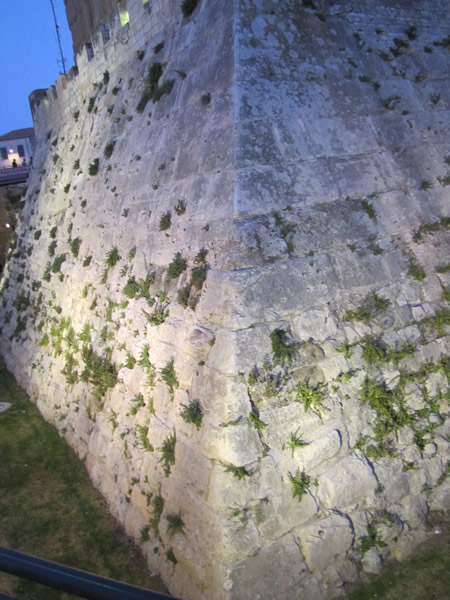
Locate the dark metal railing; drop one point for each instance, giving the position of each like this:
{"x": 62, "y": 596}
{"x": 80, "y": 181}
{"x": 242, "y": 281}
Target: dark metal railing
{"x": 14, "y": 175}
{"x": 73, "y": 581}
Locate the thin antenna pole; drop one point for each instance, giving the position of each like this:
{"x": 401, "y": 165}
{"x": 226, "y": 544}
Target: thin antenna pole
{"x": 59, "y": 39}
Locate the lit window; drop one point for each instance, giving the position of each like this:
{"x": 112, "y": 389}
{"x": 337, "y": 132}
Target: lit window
{"x": 123, "y": 13}
{"x": 21, "y": 151}
{"x": 4, "y": 153}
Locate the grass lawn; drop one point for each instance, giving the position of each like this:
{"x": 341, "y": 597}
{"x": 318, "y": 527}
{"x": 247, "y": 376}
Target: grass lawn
{"x": 48, "y": 507}
{"x": 423, "y": 576}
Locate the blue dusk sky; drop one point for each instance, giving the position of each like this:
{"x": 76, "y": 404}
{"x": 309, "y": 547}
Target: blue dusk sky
{"x": 31, "y": 57}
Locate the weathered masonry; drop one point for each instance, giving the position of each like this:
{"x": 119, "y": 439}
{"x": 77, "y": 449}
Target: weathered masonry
{"x": 230, "y": 285}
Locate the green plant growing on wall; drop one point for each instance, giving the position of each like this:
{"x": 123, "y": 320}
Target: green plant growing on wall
{"x": 295, "y": 442}
{"x": 98, "y": 371}
{"x": 177, "y": 266}
{"x": 411, "y": 32}
{"x": 52, "y": 248}
{"x": 93, "y": 167}
{"x": 140, "y": 288}
{"x": 132, "y": 253}
{"x": 165, "y": 221}
{"x": 425, "y": 184}
{"x": 152, "y": 91}
{"x": 206, "y": 99}
{"x": 373, "y": 352}
{"x": 53, "y": 231}
{"x": 112, "y": 258}
{"x": 180, "y": 208}
{"x": 169, "y": 375}
{"x": 238, "y": 472}
{"x": 188, "y": 7}
{"x": 198, "y": 276}
{"x": 442, "y": 268}
{"x": 430, "y": 228}
{"x": 85, "y": 334}
{"x": 45, "y": 340}
{"x": 75, "y": 246}
{"x": 109, "y": 149}
{"x": 369, "y": 208}
{"x": 91, "y": 103}
{"x": 87, "y": 261}
{"x": 168, "y": 453}
{"x": 69, "y": 372}
{"x": 160, "y": 312}
{"x": 56, "y": 265}
{"x": 143, "y": 439}
{"x": 37, "y": 234}
{"x": 75, "y": 115}
{"x": 175, "y": 524}
{"x": 76, "y": 164}
{"x": 371, "y": 306}
{"x": 158, "y": 508}
{"x": 255, "y": 420}
{"x": 309, "y": 396}
{"x": 138, "y": 402}
{"x": 416, "y": 270}
{"x": 192, "y": 413}
{"x": 171, "y": 556}
{"x": 445, "y": 180}
{"x": 164, "y": 89}
{"x": 439, "y": 322}
{"x": 183, "y": 295}
{"x": 145, "y": 534}
{"x": 301, "y": 484}
{"x": 282, "y": 350}
{"x": 391, "y": 102}
{"x": 446, "y": 293}
{"x": 373, "y": 539}
{"x": 46, "y": 276}
{"x": 390, "y": 410}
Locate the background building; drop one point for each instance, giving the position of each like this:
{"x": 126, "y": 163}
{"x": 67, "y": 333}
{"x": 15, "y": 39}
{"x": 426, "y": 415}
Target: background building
{"x": 17, "y": 144}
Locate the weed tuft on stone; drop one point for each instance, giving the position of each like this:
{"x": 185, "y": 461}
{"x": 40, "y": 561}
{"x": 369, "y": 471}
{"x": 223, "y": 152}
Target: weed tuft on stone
{"x": 112, "y": 258}
{"x": 166, "y": 221}
{"x": 372, "y": 306}
{"x": 168, "y": 453}
{"x": 238, "y": 472}
{"x": 169, "y": 375}
{"x": 188, "y": 7}
{"x": 281, "y": 349}
{"x": 177, "y": 266}
{"x": 192, "y": 413}
{"x": 300, "y": 484}
{"x": 310, "y": 396}
{"x": 175, "y": 524}
{"x": 93, "y": 167}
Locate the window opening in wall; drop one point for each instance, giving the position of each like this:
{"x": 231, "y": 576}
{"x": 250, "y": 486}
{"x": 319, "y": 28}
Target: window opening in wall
{"x": 4, "y": 153}
{"x": 104, "y": 29}
{"x": 89, "y": 50}
{"x": 123, "y": 13}
{"x": 21, "y": 151}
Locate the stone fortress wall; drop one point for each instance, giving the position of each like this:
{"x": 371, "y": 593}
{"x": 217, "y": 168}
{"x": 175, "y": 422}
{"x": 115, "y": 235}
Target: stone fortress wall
{"x": 283, "y": 424}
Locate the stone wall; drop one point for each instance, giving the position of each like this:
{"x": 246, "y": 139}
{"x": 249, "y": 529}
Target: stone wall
{"x": 283, "y": 424}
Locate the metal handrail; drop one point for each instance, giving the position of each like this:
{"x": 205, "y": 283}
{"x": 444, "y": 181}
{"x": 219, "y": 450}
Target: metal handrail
{"x": 73, "y": 581}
